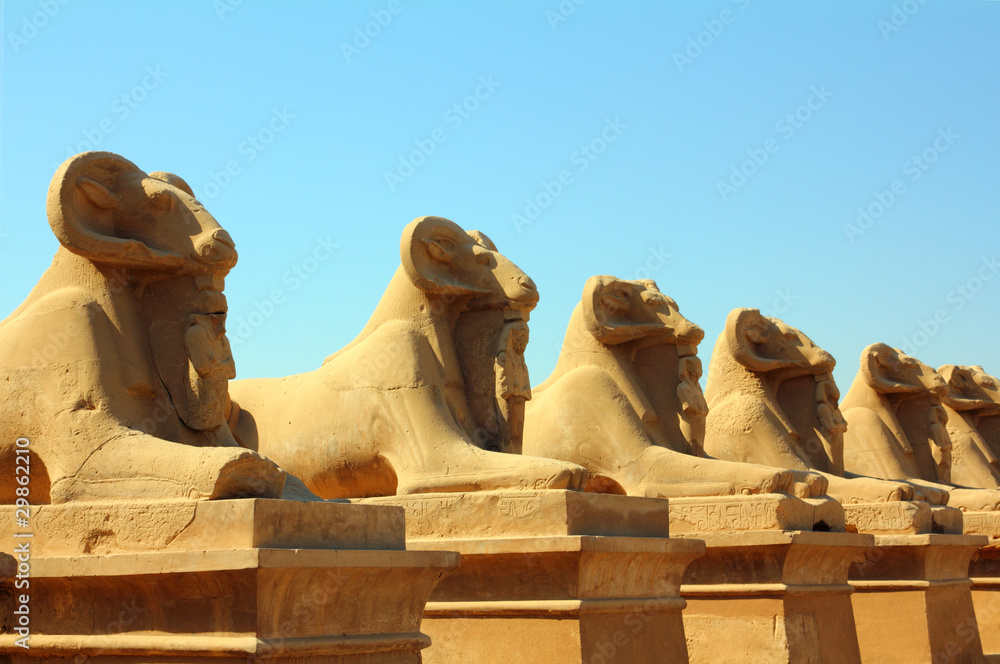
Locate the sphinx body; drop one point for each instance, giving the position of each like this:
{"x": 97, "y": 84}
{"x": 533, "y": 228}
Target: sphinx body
{"x": 389, "y": 414}
{"x": 624, "y": 402}
{"x": 894, "y": 419}
{"x": 772, "y": 400}
{"x": 115, "y": 367}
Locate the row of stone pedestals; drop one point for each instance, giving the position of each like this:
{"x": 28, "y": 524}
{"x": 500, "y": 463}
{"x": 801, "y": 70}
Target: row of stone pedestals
{"x": 530, "y": 576}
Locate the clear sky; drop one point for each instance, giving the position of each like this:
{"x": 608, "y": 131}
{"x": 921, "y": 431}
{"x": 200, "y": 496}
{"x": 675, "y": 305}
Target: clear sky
{"x": 723, "y": 148}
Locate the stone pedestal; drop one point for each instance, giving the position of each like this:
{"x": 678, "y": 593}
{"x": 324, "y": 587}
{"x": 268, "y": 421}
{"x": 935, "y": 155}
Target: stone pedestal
{"x": 922, "y": 582}
{"x": 984, "y": 571}
{"x": 221, "y": 581}
{"x": 773, "y": 596}
{"x": 985, "y": 574}
{"x": 552, "y": 577}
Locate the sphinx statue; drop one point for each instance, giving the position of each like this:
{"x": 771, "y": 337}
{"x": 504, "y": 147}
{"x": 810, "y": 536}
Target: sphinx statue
{"x": 116, "y": 366}
{"x": 971, "y": 396}
{"x": 772, "y": 400}
{"x": 624, "y": 401}
{"x": 390, "y": 413}
{"x": 897, "y": 426}
{"x": 988, "y": 420}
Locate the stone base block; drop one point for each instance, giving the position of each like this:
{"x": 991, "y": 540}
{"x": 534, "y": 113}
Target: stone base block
{"x": 947, "y": 520}
{"x": 772, "y": 511}
{"x": 195, "y": 600}
{"x": 188, "y": 525}
{"x": 552, "y": 577}
{"x": 922, "y": 582}
{"x": 773, "y": 596}
{"x": 985, "y": 573}
{"x": 903, "y": 518}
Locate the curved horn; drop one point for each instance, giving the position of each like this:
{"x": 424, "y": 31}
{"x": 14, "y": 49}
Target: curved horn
{"x": 83, "y": 207}
{"x": 743, "y": 334}
{"x": 426, "y": 250}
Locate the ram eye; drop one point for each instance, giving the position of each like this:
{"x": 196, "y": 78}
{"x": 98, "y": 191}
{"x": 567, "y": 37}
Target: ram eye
{"x": 483, "y": 256}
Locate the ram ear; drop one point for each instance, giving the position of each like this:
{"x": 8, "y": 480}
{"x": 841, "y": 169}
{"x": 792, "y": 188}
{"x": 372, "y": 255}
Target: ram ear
{"x": 951, "y": 374}
{"x": 746, "y": 330}
{"x": 428, "y": 249}
{"x": 482, "y": 240}
{"x": 86, "y": 214}
{"x": 173, "y": 180}
{"x": 874, "y": 361}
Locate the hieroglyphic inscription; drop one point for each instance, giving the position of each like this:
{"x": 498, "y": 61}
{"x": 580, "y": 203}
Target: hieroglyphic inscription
{"x": 518, "y": 506}
{"x": 982, "y": 523}
{"x": 887, "y": 517}
{"x": 710, "y": 516}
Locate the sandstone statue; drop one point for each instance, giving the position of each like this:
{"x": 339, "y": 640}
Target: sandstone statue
{"x": 894, "y": 426}
{"x": 772, "y": 400}
{"x": 624, "y": 402}
{"x": 115, "y": 368}
{"x": 972, "y": 397}
{"x": 389, "y": 413}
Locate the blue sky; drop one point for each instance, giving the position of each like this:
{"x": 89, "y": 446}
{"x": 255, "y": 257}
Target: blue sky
{"x": 721, "y": 148}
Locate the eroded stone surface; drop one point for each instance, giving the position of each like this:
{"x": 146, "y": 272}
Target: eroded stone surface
{"x": 898, "y": 427}
{"x": 115, "y": 367}
{"x": 624, "y": 402}
{"x": 772, "y": 399}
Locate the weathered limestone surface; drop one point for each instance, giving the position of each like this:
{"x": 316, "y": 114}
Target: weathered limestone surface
{"x": 223, "y": 581}
{"x": 551, "y": 576}
{"x": 389, "y": 414}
